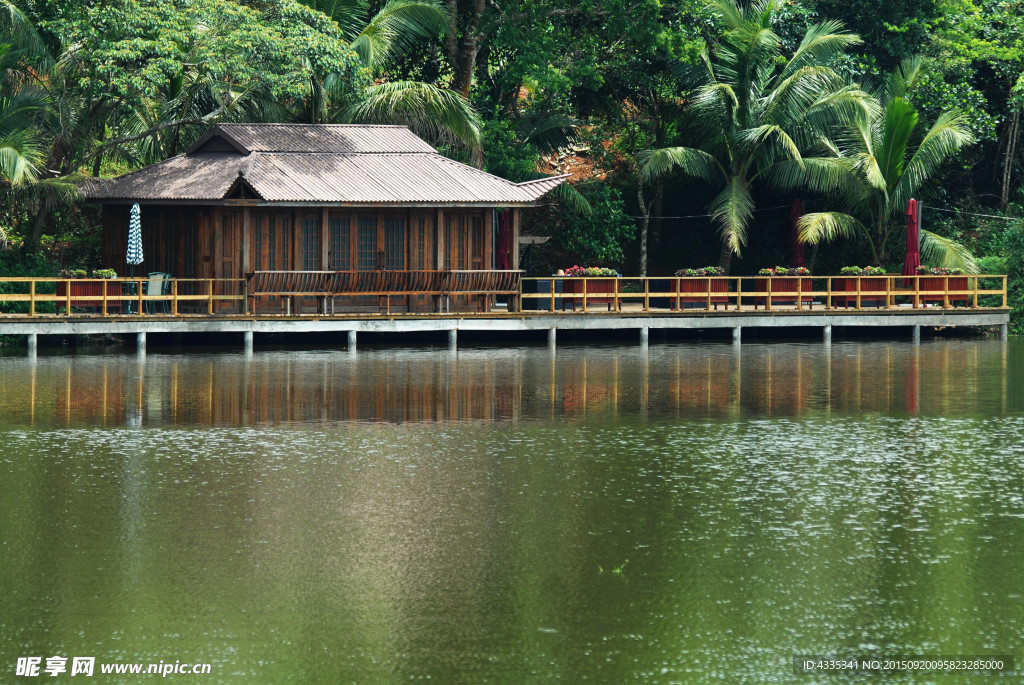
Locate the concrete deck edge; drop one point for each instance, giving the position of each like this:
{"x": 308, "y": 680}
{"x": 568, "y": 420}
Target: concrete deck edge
{"x": 505, "y": 323}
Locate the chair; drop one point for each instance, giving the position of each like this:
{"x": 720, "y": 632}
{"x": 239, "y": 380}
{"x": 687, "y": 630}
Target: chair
{"x": 159, "y": 283}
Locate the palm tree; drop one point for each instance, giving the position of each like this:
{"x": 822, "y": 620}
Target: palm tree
{"x": 436, "y": 113}
{"x": 755, "y": 110}
{"x": 22, "y": 103}
{"x": 887, "y": 159}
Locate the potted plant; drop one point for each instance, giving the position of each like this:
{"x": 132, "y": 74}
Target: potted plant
{"x": 603, "y": 284}
{"x": 87, "y": 293}
{"x": 787, "y": 286}
{"x": 703, "y": 280}
{"x": 938, "y": 279}
{"x": 872, "y": 290}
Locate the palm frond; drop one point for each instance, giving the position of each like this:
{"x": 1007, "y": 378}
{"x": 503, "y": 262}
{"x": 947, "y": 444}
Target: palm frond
{"x": 692, "y": 162}
{"x": 760, "y": 135}
{"x": 824, "y": 175}
{"x": 732, "y": 14}
{"x": 398, "y": 26}
{"x": 945, "y": 138}
{"x": 567, "y": 195}
{"x": 349, "y": 14}
{"x": 732, "y": 210}
{"x": 818, "y": 227}
{"x": 548, "y": 131}
{"x": 938, "y": 250}
{"x": 898, "y": 125}
{"x": 905, "y": 78}
{"x": 435, "y": 113}
{"x": 820, "y": 45}
{"x": 19, "y": 31}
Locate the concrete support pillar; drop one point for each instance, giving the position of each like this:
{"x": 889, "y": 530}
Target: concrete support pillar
{"x": 826, "y": 334}
{"x": 915, "y": 334}
{"x": 352, "y": 340}
{"x": 645, "y": 335}
{"x": 247, "y": 341}
{"x": 737, "y": 334}
{"x": 140, "y": 341}
{"x": 552, "y": 336}
{"x": 1004, "y": 332}
{"x": 33, "y": 342}
{"x": 453, "y": 337}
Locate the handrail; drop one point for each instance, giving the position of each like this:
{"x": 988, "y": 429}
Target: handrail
{"x": 705, "y": 293}
{"x": 34, "y": 295}
{"x": 110, "y": 295}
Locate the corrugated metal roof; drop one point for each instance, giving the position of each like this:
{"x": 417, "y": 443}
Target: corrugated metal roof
{"x": 416, "y": 177}
{"x": 314, "y": 138}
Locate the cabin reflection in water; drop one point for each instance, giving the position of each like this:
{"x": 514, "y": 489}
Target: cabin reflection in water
{"x": 501, "y": 385}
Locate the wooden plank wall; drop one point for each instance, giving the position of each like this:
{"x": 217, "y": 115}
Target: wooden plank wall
{"x": 208, "y": 242}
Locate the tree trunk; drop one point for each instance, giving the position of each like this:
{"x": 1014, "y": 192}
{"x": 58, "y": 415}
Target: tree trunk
{"x": 725, "y": 257}
{"x": 462, "y": 52}
{"x": 37, "y": 225}
{"x": 646, "y": 214}
{"x": 1011, "y": 151}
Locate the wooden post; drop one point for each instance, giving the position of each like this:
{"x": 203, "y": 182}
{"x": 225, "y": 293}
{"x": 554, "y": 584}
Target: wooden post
{"x": 174, "y": 297}
{"x": 514, "y": 246}
{"x": 246, "y": 246}
{"x": 209, "y": 295}
{"x": 439, "y": 241}
{"x": 32, "y": 297}
{"x": 488, "y": 256}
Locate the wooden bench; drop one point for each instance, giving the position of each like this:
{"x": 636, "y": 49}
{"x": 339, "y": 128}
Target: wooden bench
{"x": 326, "y": 285}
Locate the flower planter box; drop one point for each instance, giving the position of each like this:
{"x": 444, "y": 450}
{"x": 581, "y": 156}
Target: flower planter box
{"x": 603, "y": 285}
{"x": 701, "y": 285}
{"x": 939, "y": 283}
{"x": 89, "y": 294}
{"x": 783, "y": 286}
{"x": 872, "y": 292}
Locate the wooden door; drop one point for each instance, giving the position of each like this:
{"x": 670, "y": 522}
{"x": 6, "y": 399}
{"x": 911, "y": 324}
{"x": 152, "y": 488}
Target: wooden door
{"x": 421, "y": 254}
{"x": 228, "y": 261}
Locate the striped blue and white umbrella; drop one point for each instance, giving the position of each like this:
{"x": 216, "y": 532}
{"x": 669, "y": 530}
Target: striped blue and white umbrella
{"x": 135, "y": 236}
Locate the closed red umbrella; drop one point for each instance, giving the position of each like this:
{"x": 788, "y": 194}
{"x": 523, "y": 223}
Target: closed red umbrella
{"x": 795, "y": 213}
{"x": 913, "y": 258}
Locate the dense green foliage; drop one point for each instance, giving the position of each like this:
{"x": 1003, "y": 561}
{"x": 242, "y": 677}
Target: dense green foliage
{"x": 689, "y": 126}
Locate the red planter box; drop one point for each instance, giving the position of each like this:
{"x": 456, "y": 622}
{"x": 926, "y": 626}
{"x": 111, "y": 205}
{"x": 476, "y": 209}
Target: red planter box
{"x": 783, "y": 286}
{"x": 604, "y": 286}
{"x": 872, "y": 292}
{"x": 89, "y": 294}
{"x": 701, "y": 285}
{"x": 939, "y": 283}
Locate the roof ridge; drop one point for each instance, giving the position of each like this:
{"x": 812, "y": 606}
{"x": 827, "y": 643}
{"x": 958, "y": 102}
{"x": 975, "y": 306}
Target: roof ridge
{"x": 238, "y": 123}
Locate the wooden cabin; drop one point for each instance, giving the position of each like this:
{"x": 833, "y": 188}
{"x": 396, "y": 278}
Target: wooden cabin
{"x": 250, "y": 198}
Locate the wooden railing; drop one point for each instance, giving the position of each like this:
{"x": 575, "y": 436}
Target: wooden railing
{"x": 384, "y": 285}
{"x": 106, "y": 297}
{"x": 25, "y": 296}
{"x": 890, "y": 292}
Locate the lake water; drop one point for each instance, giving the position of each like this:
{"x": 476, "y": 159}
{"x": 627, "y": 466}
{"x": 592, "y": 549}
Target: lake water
{"x": 691, "y": 513}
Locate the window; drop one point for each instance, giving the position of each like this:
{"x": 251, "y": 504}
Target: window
{"x": 461, "y": 239}
{"x": 421, "y": 242}
{"x": 258, "y": 243}
{"x": 311, "y": 244}
{"x": 367, "y": 243}
{"x": 340, "y": 257}
{"x": 448, "y": 244}
{"x": 477, "y": 239}
{"x": 394, "y": 243}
